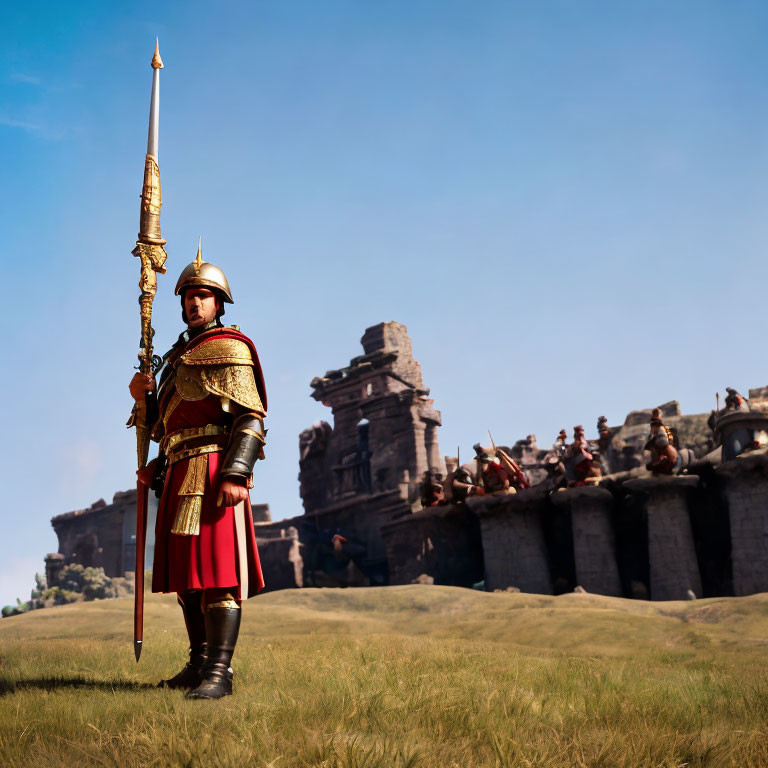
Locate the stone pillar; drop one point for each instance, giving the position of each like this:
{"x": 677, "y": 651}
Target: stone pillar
{"x": 674, "y": 568}
{"x": 513, "y": 540}
{"x": 434, "y": 460}
{"x": 420, "y": 463}
{"x": 745, "y": 486}
{"x": 594, "y": 546}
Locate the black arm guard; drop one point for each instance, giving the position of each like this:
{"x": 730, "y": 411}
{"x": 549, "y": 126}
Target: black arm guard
{"x": 158, "y": 481}
{"x": 245, "y": 446}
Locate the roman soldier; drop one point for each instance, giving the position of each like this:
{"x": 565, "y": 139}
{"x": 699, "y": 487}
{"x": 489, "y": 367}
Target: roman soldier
{"x": 560, "y": 446}
{"x": 605, "y": 434}
{"x": 499, "y": 473}
{"x": 208, "y": 416}
{"x": 734, "y": 401}
{"x": 582, "y": 468}
{"x": 605, "y": 437}
{"x": 662, "y": 445}
{"x": 462, "y": 485}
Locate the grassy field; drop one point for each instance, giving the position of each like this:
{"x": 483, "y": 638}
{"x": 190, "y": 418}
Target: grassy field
{"x": 425, "y": 676}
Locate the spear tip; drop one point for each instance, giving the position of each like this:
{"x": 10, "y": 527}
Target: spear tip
{"x": 157, "y": 62}
{"x": 137, "y": 649}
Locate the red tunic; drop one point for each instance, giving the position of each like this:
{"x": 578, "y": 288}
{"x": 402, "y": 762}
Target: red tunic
{"x": 224, "y": 553}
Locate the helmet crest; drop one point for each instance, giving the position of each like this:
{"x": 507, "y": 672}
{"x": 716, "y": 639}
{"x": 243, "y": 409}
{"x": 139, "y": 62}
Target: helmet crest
{"x": 198, "y": 262}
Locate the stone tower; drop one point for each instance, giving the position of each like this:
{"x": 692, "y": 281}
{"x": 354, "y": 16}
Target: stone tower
{"x": 364, "y": 471}
{"x": 385, "y": 426}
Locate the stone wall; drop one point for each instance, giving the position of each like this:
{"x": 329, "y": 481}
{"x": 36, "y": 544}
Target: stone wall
{"x": 651, "y": 537}
{"x": 663, "y": 538}
{"x": 514, "y": 544}
{"x": 281, "y": 561}
{"x": 703, "y": 534}
{"x": 593, "y": 538}
{"x": 359, "y": 522}
{"x": 745, "y": 490}
{"x": 443, "y": 543}
{"x": 672, "y": 558}
{"x": 104, "y": 535}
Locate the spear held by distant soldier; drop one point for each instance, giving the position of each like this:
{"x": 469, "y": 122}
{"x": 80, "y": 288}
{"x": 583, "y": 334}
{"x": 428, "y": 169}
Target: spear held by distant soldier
{"x": 514, "y": 469}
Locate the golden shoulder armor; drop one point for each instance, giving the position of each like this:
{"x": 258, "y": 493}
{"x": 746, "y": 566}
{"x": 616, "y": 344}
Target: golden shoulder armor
{"x": 232, "y": 382}
{"x": 222, "y": 367}
{"x": 219, "y": 352}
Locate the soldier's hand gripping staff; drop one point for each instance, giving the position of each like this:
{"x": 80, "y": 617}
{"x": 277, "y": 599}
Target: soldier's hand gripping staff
{"x": 211, "y": 405}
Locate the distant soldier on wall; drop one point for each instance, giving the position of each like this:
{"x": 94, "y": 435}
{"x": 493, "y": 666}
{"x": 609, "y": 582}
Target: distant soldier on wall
{"x": 581, "y": 466}
{"x": 464, "y": 485}
{"x": 459, "y": 482}
{"x": 557, "y": 476}
{"x": 499, "y": 473}
{"x": 604, "y": 438}
{"x": 734, "y": 401}
{"x": 560, "y": 445}
{"x": 662, "y": 445}
{"x": 604, "y": 434}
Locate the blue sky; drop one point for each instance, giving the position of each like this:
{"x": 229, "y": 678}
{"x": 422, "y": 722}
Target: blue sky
{"x": 565, "y": 202}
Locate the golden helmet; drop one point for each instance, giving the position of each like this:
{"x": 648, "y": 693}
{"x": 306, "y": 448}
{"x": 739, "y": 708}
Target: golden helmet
{"x": 202, "y": 273}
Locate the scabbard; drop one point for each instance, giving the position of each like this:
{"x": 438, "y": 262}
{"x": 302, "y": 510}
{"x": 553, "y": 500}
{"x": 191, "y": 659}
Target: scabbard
{"x": 242, "y": 548}
{"x": 142, "y": 498}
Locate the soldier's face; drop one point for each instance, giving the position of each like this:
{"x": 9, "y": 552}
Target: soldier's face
{"x": 200, "y": 306}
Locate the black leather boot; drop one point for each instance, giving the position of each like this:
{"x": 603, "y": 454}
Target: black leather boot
{"x": 191, "y": 675}
{"x": 222, "y": 624}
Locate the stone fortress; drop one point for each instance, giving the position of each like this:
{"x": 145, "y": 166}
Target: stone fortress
{"x": 702, "y": 533}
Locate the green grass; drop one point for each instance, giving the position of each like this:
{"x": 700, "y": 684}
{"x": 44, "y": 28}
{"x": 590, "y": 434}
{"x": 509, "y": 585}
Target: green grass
{"x": 413, "y": 676}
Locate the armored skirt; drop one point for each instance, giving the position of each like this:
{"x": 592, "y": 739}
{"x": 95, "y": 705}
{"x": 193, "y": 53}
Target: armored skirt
{"x": 223, "y": 554}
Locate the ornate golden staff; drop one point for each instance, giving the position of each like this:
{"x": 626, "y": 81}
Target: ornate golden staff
{"x": 149, "y": 248}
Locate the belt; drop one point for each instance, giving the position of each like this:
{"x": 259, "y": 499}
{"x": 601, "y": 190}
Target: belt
{"x": 199, "y": 450}
{"x": 176, "y": 445}
{"x": 182, "y": 435}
